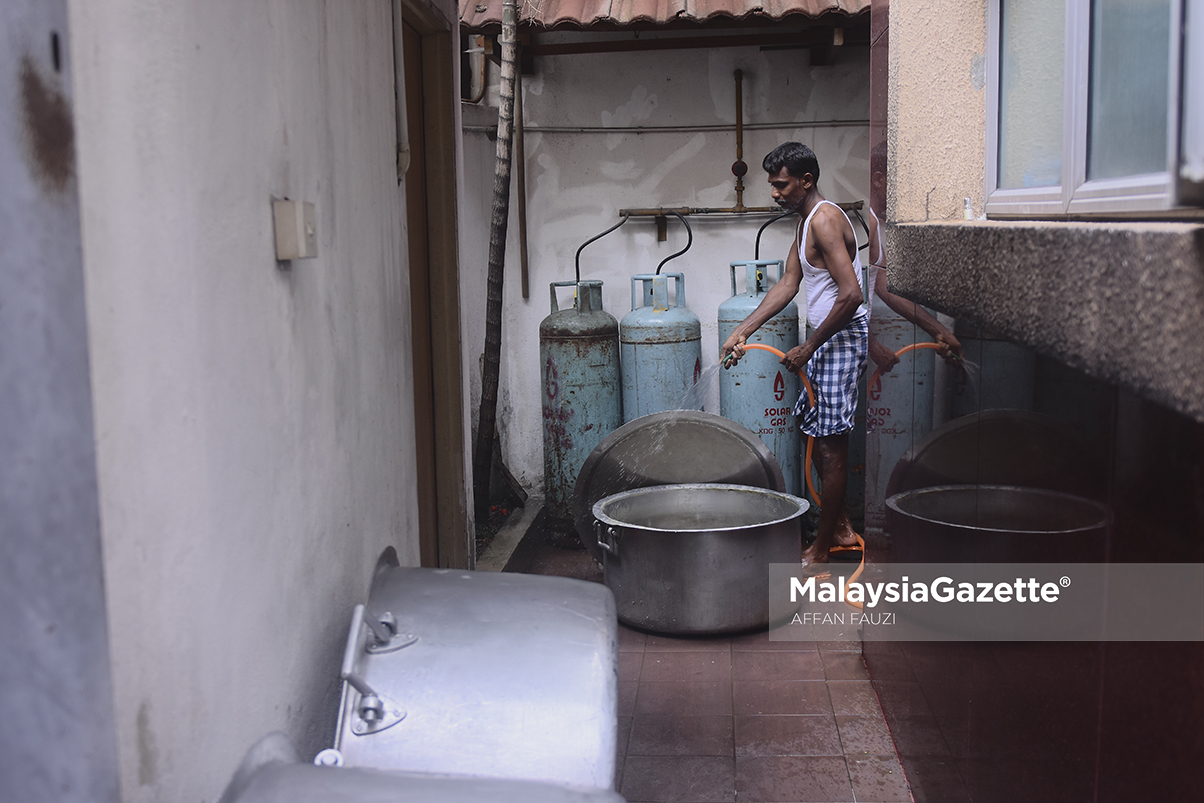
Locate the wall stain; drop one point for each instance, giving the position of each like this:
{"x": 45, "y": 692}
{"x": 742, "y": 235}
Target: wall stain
{"x": 148, "y": 755}
{"x": 49, "y": 130}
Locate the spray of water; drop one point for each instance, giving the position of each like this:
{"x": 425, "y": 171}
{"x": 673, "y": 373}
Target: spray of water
{"x": 695, "y": 397}
{"x": 967, "y": 383}
{"x": 655, "y": 439}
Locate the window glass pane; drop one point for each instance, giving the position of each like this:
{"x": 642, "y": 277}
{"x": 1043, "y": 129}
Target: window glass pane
{"x": 1032, "y": 45}
{"x": 1130, "y": 41}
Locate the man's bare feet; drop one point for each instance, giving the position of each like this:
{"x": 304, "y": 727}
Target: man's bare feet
{"x": 812, "y": 555}
{"x": 844, "y": 538}
{"x": 845, "y": 535}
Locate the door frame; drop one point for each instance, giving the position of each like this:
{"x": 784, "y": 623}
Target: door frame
{"x": 439, "y": 96}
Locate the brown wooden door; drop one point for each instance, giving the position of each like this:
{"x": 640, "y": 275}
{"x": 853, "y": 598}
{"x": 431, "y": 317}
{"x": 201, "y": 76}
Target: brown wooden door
{"x": 420, "y": 301}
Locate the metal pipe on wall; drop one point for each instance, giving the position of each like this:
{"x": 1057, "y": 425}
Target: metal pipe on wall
{"x": 677, "y": 129}
{"x": 399, "y": 95}
{"x": 739, "y": 169}
{"x": 520, "y": 148}
{"x": 710, "y": 210}
{"x": 480, "y": 48}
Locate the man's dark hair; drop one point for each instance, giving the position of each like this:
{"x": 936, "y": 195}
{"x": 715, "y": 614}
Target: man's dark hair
{"x": 796, "y": 157}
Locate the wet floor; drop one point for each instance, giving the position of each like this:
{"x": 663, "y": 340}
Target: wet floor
{"x": 743, "y": 718}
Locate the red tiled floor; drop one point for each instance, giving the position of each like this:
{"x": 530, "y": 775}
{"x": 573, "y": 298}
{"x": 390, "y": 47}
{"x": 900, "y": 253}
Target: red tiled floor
{"x": 844, "y": 666}
{"x": 781, "y": 697}
{"x": 631, "y": 640}
{"x": 753, "y": 666}
{"x": 627, "y": 692}
{"x": 854, "y": 698}
{"x": 699, "y": 699}
{"x": 679, "y": 779}
{"x": 681, "y": 735}
{"x": 761, "y": 642}
{"x": 748, "y": 718}
{"x": 864, "y": 736}
{"x": 797, "y": 779}
{"x": 656, "y": 643}
{"x": 790, "y": 735}
{"x": 878, "y": 779}
{"x": 630, "y": 664}
{"x": 688, "y": 666}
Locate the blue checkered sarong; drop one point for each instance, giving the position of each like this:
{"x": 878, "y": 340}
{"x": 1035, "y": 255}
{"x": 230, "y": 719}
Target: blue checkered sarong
{"x": 834, "y": 371}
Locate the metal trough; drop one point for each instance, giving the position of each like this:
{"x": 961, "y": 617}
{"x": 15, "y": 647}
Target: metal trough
{"x": 694, "y": 558}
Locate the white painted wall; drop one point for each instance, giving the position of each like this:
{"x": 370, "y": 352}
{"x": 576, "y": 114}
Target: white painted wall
{"x": 254, "y": 423}
{"x": 577, "y": 182}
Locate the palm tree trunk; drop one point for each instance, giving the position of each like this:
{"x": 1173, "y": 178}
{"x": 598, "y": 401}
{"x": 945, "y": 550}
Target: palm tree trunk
{"x": 486, "y": 421}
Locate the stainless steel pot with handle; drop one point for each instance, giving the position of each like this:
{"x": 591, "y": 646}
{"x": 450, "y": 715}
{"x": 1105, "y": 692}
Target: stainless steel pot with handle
{"x": 694, "y": 558}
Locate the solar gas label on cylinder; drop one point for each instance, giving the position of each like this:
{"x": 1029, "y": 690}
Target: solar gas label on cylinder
{"x": 579, "y": 363}
{"x": 759, "y": 392}
{"x": 660, "y": 347}
{"x": 898, "y": 408}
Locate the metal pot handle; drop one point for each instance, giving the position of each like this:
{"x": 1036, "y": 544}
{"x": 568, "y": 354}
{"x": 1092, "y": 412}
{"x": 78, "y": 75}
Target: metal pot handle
{"x": 608, "y": 538}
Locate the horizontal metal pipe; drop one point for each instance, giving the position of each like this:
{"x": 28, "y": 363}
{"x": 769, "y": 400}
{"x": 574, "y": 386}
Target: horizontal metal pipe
{"x": 673, "y": 129}
{"x": 710, "y": 210}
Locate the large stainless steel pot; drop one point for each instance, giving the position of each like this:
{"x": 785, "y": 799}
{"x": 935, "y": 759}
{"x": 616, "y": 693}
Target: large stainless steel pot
{"x": 694, "y": 558}
{"x": 995, "y": 524}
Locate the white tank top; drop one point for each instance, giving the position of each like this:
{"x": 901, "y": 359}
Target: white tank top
{"x": 875, "y": 260}
{"x": 820, "y": 286}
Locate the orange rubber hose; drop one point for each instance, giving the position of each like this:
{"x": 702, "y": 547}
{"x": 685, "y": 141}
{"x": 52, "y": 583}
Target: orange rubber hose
{"x": 877, "y": 374}
{"x": 811, "y": 398}
{"x": 810, "y": 440}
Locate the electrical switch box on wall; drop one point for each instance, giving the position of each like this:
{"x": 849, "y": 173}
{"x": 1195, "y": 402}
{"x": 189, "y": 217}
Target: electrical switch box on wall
{"x": 296, "y": 230}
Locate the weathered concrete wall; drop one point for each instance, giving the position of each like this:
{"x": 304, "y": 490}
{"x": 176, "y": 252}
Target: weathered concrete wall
{"x": 577, "y": 182}
{"x": 936, "y": 114}
{"x": 254, "y": 420}
{"x": 1120, "y": 302}
{"x": 57, "y": 741}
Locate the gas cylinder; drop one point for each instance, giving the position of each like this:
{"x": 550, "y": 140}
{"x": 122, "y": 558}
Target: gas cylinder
{"x": 898, "y": 408}
{"x": 660, "y": 347}
{"x": 579, "y": 359}
{"x": 1000, "y": 375}
{"x": 759, "y": 392}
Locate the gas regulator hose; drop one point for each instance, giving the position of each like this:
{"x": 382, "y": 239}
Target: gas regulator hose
{"x": 811, "y": 400}
{"x": 810, "y": 440}
{"x": 877, "y": 374}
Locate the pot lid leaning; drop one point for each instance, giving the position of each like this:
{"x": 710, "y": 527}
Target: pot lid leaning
{"x": 670, "y": 448}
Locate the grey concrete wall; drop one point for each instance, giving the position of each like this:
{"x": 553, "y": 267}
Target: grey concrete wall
{"x": 254, "y": 420}
{"x": 57, "y": 734}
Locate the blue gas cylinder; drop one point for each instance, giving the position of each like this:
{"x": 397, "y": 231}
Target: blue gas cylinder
{"x": 759, "y": 392}
{"x": 579, "y": 359}
{"x": 898, "y": 407}
{"x": 660, "y": 347}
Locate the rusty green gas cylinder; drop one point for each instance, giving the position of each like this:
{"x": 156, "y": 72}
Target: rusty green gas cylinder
{"x": 581, "y": 396}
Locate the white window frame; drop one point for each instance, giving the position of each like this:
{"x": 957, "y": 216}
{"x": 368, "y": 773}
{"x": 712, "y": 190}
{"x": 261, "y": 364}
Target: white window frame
{"x": 1191, "y": 156}
{"x": 1155, "y": 192}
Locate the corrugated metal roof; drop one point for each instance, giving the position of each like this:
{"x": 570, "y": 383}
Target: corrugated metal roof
{"x": 478, "y": 15}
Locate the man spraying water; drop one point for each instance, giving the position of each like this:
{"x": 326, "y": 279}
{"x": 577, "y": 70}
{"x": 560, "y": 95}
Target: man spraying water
{"x": 825, "y": 258}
